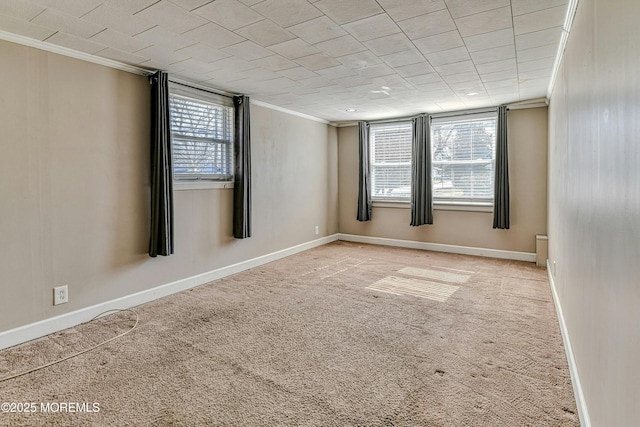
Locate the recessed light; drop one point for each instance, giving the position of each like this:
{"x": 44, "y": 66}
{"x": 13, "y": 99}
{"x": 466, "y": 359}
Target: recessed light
{"x": 351, "y": 110}
{"x": 472, "y": 93}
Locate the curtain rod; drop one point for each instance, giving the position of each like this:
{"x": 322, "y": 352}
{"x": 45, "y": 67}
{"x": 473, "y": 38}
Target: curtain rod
{"x": 203, "y": 88}
{"x": 437, "y": 115}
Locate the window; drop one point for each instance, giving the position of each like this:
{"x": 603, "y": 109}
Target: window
{"x": 462, "y": 154}
{"x": 390, "y": 151}
{"x": 202, "y": 134}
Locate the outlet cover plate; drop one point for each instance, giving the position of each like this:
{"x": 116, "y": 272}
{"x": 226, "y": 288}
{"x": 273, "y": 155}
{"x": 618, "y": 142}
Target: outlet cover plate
{"x": 60, "y": 295}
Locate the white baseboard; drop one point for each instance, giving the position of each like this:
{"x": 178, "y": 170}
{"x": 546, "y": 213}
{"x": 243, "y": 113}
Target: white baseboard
{"x": 48, "y": 326}
{"x": 583, "y": 413}
{"x": 439, "y": 247}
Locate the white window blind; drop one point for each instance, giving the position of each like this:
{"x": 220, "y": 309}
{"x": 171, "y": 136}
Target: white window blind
{"x": 202, "y": 134}
{"x": 463, "y": 152}
{"x": 390, "y": 160}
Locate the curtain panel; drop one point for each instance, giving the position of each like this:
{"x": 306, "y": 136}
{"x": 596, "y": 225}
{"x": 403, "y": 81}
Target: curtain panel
{"x": 364, "y": 169}
{"x": 161, "y": 232}
{"x": 421, "y": 189}
{"x": 242, "y": 173}
{"x": 501, "y": 187}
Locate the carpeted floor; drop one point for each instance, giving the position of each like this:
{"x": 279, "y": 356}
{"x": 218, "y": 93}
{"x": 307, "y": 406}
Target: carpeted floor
{"x": 341, "y": 335}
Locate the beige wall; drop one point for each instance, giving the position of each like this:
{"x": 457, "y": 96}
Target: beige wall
{"x": 594, "y": 204}
{"x": 74, "y": 190}
{"x": 527, "y": 171}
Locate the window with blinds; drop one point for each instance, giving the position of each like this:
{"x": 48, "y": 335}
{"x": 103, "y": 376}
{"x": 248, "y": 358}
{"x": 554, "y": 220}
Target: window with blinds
{"x": 462, "y": 152}
{"x": 390, "y": 160}
{"x": 202, "y": 134}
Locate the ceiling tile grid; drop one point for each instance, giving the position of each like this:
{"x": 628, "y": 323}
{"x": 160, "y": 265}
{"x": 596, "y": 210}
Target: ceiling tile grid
{"x": 319, "y": 57}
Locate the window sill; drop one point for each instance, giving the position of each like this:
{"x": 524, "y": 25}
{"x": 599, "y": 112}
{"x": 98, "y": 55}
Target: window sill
{"x": 200, "y": 185}
{"x": 439, "y": 206}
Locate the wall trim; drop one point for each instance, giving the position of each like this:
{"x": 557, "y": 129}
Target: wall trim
{"x": 45, "y": 327}
{"x": 287, "y": 111}
{"x": 564, "y": 38}
{"x": 581, "y": 403}
{"x": 439, "y": 247}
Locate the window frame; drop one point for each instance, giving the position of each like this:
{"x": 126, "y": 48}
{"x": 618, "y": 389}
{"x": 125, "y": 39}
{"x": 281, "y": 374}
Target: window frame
{"x": 185, "y": 181}
{"x": 440, "y": 203}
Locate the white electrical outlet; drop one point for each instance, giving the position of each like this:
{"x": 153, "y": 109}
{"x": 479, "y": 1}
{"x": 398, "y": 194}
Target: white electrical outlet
{"x": 60, "y": 295}
{"x": 317, "y": 230}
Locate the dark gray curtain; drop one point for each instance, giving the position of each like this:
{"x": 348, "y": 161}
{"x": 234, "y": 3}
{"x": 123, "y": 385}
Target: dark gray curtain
{"x": 161, "y": 236}
{"x": 364, "y": 181}
{"x": 421, "y": 190}
{"x": 501, "y": 189}
{"x": 242, "y": 175}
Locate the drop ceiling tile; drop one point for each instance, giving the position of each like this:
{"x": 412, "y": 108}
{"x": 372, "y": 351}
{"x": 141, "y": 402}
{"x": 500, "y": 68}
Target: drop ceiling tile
{"x": 337, "y": 72}
{"x": 316, "y": 82}
{"x": 191, "y": 4}
{"x": 341, "y": 46}
{"x": 500, "y": 75}
{"x": 372, "y": 27}
{"x": 342, "y": 12}
{"x": 262, "y": 75}
{"x": 204, "y": 53}
{"x": 488, "y": 40}
{"x": 162, "y": 54}
{"x": 125, "y": 57}
{"x": 520, "y": 7}
{"x": 455, "y": 68}
{"x": 539, "y": 52}
{"x": 494, "y": 54}
{"x": 448, "y": 56}
{"x": 414, "y": 69}
{"x": 317, "y": 61}
{"x": 440, "y": 87}
{"x": 287, "y": 12}
{"x": 247, "y": 50}
{"x": 501, "y": 86}
{"x": 539, "y": 38}
{"x": 118, "y": 20}
{"x": 359, "y": 60}
{"x": 389, "y": 44}
{"x": 484, "y": 22}
{"x": 234, "y": 65}
{"x": 317, "y": 30}
{"x": 540, "y": 20}
{"x": 20, "y": 10}
{"x": 230, "y": 14}
{"x": 352, "y": 81}
{"x": 492, "y": 67}
{"x": 171, "y": 17}
{"x": 423, "y": 79}
{"x": 297, "y": 73}
{"x": 163, "y": 38}
{"x": 295, "y": 48}
{"x": 275, "y": 63}
{"x": 428, "y": 25}
{"x": 439, "y": 42}
{"x": 545, "y": 63}
{"x": 76, "y": 8}
{"x": 400, "y": 59}
{"x": 214, "y": 35}
{"x": 400, "y": 10}
{"x": 193, "y": 69}
{"x": 469, "y": 76}
{"x": 24, "y": 28}
{"x": 376, "y": 71}
{"x": 265, "y": 33}
{"x": 67, "y": 24}
{"x": 535, "y": 74}
{"x": 130, "y": 6}
{"x": 395, "y": 82}
{"x": 460, "y": 8}
{"x": 76, "y": 43}
{"x": 119, "y": 41}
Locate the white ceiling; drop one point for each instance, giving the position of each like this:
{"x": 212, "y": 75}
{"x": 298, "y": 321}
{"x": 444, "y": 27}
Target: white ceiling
{"x": 385, "y": 58}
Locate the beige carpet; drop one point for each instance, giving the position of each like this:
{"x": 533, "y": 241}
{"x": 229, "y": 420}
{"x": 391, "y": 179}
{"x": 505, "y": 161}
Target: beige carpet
{"x": 312, "y": 340}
